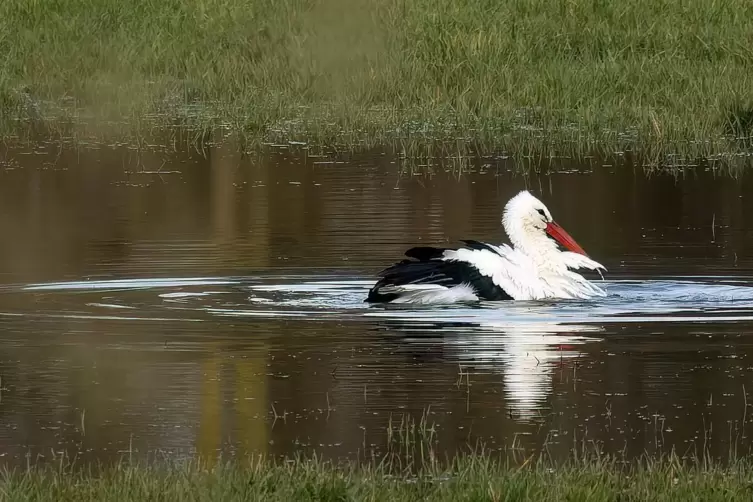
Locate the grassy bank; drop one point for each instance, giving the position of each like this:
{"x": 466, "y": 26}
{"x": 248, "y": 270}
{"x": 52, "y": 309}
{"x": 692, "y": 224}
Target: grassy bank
{"x": 473, "y": 478}
{"x": 658, "y": 76}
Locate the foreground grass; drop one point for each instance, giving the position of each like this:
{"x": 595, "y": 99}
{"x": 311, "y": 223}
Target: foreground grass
{"x": 657, "y": 76}
{"x": 473, "y": 478}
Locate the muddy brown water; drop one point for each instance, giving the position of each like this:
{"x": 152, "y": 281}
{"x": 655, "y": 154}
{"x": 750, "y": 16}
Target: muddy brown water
{"x": 180, "y": 304}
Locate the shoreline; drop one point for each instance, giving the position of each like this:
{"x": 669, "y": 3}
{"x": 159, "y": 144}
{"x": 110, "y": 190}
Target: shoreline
{"x": 470, "y": 477}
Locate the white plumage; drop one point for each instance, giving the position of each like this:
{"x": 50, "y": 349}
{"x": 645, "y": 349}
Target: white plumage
{"x": 533, "y": 268}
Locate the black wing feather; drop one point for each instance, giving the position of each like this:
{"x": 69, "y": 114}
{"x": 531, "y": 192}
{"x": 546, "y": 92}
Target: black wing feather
{"x": 425, "y": 253}
{"x": 480, "y": 246}
{"x": 432, "y": 269}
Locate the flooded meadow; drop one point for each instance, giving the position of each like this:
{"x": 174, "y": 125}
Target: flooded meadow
{"x": 211, "y": 304}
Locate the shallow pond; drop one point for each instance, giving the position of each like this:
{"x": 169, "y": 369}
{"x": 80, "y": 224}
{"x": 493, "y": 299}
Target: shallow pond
{"x": 173, "y": 304}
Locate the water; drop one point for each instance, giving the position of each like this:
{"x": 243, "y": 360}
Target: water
{"x": 171, "y": 304}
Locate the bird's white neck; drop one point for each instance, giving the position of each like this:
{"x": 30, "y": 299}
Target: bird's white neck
{"x": 534, "y": 243}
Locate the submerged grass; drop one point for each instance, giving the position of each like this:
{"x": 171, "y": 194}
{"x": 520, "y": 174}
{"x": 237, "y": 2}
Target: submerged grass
{"x": 654, "y": 76}
{"x": 470, "y": 478}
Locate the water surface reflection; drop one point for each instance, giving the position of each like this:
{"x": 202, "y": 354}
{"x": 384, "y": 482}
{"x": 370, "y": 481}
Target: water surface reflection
{"x": 218, "y": 309}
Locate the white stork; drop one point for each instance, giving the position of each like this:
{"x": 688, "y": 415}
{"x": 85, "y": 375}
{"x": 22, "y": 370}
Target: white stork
{"x": 533, "y": 268}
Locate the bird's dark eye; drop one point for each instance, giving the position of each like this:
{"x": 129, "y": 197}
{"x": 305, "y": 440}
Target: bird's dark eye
{"x": 542, "y": 213}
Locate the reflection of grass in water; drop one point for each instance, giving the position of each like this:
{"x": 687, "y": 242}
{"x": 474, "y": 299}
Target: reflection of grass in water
{"x": 530, "y": 75}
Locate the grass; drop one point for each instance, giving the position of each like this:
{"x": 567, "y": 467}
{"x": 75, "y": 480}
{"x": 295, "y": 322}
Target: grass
{"x": 409, "y": 470}
{"x": 657, "y": 77}
{"x": 469, "y": 478}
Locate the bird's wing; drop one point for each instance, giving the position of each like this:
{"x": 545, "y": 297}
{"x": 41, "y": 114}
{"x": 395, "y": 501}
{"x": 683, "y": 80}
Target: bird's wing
{"x": 508, "y": 269}
{"x": 579, "y": 261}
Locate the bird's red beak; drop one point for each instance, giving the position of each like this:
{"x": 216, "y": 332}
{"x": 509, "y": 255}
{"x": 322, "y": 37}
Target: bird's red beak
{"x": 558, "y": 234}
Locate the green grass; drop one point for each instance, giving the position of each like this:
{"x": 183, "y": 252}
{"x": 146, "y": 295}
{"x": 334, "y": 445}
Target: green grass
{"x": 409, "y": 469}
{"x": 470, "y": 478}
{"x": 559, "y": 76}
